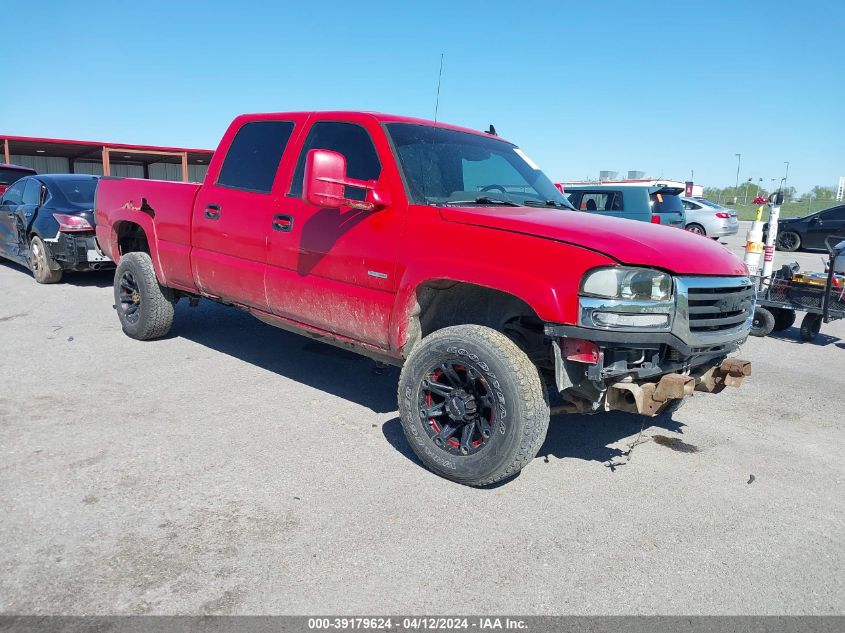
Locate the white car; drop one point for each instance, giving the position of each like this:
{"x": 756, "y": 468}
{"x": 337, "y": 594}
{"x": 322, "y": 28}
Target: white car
{"x": 708, "y": 218}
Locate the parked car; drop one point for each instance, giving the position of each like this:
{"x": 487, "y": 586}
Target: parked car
{"x": 810, "y": 231}
{"x": 708, "y": 218}
{"x": 656, "y": 204}
{"x": 10, "y": 174}
{"x": 47, "y": 223}
{"x": 442, "y": 250}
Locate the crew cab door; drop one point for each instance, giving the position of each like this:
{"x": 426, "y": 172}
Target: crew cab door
{"x": 9, "y": 204}
{"x": 335, "y": 269}
{"x": 233, "y": 211}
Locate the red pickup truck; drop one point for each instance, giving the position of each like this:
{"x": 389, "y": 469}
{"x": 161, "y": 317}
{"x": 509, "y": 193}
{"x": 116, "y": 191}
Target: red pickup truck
{"x": 443, "y": 250}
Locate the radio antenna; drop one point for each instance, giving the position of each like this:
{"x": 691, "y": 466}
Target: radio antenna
{"x": 437, "y": 98}
{"x": 433, "y": 136}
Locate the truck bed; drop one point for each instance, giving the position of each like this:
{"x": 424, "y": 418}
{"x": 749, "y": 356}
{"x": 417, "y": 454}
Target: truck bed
{"x": 163, "y": 209}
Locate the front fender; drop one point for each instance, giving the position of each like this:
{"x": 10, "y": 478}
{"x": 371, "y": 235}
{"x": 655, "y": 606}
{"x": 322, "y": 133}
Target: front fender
{"x": 547, "y": 280}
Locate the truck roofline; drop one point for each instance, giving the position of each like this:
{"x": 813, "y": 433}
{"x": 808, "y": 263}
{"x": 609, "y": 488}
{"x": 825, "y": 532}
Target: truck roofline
{"x": 380, "y": 117}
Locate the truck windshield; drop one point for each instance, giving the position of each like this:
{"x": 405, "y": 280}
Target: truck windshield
{"x": 443, "y": 166}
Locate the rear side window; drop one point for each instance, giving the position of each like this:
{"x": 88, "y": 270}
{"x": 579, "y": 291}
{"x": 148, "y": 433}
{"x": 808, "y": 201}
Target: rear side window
{"x": 601, "y": 201}
{"x": 666, "y": 203}
{"x": 349, "y": 139}
{"x": 254, "y": 155}
{"x": 32, "y": 193}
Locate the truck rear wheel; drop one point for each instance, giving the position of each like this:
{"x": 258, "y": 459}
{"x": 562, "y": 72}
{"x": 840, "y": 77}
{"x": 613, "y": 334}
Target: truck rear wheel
{"x": 145, "y": 308}
{"x": 473, "y": 406}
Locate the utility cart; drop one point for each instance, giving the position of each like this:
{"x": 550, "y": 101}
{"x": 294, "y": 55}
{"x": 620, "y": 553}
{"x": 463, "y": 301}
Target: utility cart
{"x": 820, "y": 296}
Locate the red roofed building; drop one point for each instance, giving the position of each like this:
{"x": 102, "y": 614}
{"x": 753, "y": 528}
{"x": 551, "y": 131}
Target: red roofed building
{"x": 61, "y": 156}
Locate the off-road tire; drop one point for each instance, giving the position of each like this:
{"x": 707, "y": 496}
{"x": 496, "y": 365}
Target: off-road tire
{"x": 156, "y": 302}
{"x": 784, "y": 319}
{"x": 763, "y": 323}
{"x": 793, "y": 244}
{"x": 521, "y": 404}
{"x": 811, "y": 325}
{"x": 40, "y": 263}
{"x": 694, "y": 227}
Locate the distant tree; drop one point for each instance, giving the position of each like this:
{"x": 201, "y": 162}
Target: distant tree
{"x": 789, "y": 194}
{"x": 822, "y": 193}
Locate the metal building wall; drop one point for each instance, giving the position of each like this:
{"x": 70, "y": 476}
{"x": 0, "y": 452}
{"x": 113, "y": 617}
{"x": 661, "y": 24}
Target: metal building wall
{"x": 95, "y": 167}
{"x": 42, "y": 164}
{"x": 169, "y": 171}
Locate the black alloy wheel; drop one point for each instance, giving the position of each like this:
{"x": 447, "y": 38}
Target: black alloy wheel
{"x": 130, "y": 297}
{"x": 457, "y": 407}
{"x": 788, "y": 241}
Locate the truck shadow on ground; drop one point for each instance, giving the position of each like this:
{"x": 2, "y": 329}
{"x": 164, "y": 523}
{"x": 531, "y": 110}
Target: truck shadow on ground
{"x": 330, "y": 369}
{"x": 571, "y": 436}
{"x": 353, "y": 377}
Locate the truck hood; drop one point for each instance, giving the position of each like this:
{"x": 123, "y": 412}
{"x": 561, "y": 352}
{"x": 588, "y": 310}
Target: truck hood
{"x": 627, "y": 241}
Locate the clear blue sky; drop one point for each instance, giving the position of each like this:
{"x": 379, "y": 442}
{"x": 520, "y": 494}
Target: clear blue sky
{"x": 659, "y": 87}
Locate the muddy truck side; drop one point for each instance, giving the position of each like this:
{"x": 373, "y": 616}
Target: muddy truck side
{"x": 442, "y": 250}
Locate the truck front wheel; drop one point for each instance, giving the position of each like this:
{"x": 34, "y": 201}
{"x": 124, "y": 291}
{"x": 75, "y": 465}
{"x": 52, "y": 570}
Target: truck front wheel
{"x": 473, "y": 406}
{"x": 145, "y": 308}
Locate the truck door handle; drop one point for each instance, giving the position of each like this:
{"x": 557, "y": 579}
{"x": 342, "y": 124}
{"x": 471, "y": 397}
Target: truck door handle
{"x": 212, "y": 211}
{"x": 283, "y": 223}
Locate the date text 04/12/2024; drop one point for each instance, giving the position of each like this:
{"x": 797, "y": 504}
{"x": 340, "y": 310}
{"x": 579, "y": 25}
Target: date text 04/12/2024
{"x": 417, "y": 623}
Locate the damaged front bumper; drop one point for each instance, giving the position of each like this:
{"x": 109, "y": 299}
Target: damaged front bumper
{"x": 639, "y": 373}
{"x": 77, "y": 251}
{"x": 649, "y": 398}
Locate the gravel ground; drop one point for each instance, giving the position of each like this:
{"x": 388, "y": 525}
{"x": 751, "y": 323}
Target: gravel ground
{"x": 236, "y": 468}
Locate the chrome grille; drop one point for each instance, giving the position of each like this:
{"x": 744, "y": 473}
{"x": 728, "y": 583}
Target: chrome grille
{"x": 713, "y": 310}
{"x": 719, "y": 308}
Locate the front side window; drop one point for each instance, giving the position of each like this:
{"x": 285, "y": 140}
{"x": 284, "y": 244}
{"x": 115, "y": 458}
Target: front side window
{"x": 254, "y": 156}
{"x": 14, "y": 194}
{"x": 349, "y": 139}
{"x": 442, "y": 166}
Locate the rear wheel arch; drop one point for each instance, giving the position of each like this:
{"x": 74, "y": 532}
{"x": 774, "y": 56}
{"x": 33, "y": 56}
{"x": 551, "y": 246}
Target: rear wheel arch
{"x": 129, "y": 236}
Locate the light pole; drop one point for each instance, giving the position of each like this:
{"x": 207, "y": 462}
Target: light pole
{"x": 736, "y": 186}
{"x": 787, "y": 173}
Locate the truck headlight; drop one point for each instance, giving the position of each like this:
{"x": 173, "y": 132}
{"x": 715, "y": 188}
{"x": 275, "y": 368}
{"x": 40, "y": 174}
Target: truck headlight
{"x": 626, "y": 298}
{"x": 628, "y": 283}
